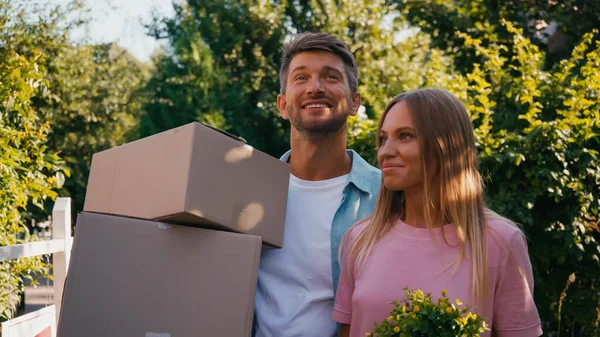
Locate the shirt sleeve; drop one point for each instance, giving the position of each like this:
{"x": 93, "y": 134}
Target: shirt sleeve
{"x": 515, "y": 313}
{"x": 342, "y": 308}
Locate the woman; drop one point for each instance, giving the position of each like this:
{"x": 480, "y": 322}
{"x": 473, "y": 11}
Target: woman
{"x": 431, "y": 230}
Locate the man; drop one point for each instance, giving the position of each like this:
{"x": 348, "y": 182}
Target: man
{"x": 331, "y": 188}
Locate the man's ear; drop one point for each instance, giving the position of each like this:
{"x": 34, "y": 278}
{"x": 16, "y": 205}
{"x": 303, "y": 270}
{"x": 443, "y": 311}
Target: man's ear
{"x": 281, "y": 105}
{"x": 355, "y": 104}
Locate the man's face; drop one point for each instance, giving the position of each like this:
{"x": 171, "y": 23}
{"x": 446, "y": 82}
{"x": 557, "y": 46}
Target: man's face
{"x": 318, "y": 98}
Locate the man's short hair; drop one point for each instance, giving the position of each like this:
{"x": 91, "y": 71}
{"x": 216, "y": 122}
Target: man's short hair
{"x": 318, "y": 42}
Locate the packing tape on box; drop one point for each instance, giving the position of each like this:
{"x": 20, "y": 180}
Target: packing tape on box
{"x": 154, "y": 334}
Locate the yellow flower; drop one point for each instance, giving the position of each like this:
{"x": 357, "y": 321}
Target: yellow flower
{"x": 416, "y": 308}
{"x": 397, "y": 317}
{"x": 390, "y": 318}
{"x": 404, "y": 309}
{"x": 397, "y": 329}
{"x": 449, "y": 310}
{"x": 444, "y": 292}
{"x": 368, "y": 334}
{"x": 458, "y": 302}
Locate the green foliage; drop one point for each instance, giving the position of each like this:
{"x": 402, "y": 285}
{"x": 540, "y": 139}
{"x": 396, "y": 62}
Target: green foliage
{"x": 482, "y": 19}
{"x": 221, "y": 69}
{"x": 90, "y": 97}
{"x": 541, "y": 159}
{"x": 419, "y": 315}
{"x": 92, "y": 104}
{"x": 29, "y": 172}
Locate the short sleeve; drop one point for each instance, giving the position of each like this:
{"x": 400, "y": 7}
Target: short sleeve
{"x": 515, "y": 313}
{"x": 342, "y": 308}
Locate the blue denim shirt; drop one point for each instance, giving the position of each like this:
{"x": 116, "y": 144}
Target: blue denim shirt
{"x": 358, "y": 202}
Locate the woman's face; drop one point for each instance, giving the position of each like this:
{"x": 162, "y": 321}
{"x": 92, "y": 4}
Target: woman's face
{"x": 399, "y": 155}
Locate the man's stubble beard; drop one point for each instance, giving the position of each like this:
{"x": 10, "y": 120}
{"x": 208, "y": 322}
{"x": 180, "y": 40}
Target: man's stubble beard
{"x": 320, "y": 130}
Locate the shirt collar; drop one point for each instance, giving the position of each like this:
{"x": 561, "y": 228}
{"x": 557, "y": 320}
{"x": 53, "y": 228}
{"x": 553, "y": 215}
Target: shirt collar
{"x": 359, "y": 172}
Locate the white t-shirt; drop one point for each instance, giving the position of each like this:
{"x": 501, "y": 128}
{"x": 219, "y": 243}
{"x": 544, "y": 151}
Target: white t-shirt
{"x": 294, "y": 296}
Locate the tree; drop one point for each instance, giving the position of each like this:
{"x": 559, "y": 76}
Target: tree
{"x": 92, "y": 104}
{"x": 221, "y": 69}
{"x": 29, "y": 173}
{"x": 571, "y": 19}
{"x": 91, "y": 99}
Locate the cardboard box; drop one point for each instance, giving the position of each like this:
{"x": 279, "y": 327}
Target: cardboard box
{"x": 132, "y": 277}
{"x": 193, "y": 175}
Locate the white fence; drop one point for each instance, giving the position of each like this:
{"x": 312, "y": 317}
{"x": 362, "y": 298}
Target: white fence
{"x": 59, "y": 246}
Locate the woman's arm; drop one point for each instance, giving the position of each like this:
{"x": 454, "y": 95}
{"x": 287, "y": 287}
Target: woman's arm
{"x": 515, "y": 313}
{"x": 345, "y": 330}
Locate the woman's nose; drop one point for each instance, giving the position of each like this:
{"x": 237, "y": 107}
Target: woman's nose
{"x": 386, "y": 150}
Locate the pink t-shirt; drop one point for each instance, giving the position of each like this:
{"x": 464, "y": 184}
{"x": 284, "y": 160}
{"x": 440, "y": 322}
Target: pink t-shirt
{"x": 409, "y": 256}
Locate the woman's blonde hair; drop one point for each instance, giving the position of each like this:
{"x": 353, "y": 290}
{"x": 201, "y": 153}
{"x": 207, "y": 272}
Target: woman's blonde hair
{"x": 447, "y": 143}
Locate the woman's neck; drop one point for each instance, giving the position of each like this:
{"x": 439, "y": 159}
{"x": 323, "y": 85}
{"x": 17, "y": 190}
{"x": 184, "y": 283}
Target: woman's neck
{"x": 416, "y": 206}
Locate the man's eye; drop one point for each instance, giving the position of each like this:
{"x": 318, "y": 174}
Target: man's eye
{"x": 330, "y": 77}
{"x": 300, "y": 78}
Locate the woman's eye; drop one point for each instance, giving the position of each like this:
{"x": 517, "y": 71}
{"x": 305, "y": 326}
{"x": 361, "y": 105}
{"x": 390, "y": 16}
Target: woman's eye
{"x": 405, "y": 136}
{"x": 382, "y": 139}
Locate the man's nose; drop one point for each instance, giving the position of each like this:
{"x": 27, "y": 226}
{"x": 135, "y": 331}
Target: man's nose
{"x": 315, "y": 86}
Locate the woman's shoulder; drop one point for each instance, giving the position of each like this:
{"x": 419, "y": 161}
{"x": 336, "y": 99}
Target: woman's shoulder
{"x": 504, "y": 236}
{"x": 503, "y": 227}
{"x": 358, "y": 227}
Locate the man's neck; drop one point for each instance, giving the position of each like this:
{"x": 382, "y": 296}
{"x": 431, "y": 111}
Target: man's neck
{"x": 319, "y": 157}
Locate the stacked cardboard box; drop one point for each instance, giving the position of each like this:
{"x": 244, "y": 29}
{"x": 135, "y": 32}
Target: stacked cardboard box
{"x": 169, "y": 241}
